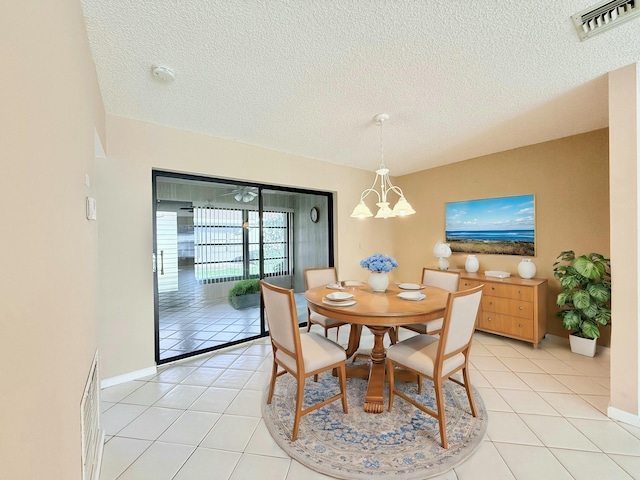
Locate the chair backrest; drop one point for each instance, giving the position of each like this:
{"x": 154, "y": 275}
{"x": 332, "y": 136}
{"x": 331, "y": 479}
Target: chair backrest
{"x": 441, "y": 278}
{"x": 282, "y": 318}
{"x": 459, "y": 320}
{"x": 318, "y": 277}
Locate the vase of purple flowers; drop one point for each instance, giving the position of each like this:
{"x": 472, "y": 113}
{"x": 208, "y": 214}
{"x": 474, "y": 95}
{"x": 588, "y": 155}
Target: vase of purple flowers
{"x": 379, "y": 265}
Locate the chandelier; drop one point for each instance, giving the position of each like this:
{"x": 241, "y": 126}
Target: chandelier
{"x": 384, "y": 211}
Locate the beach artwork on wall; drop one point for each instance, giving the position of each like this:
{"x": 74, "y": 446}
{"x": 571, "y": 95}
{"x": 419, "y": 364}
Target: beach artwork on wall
{"x": 499, "y": 226}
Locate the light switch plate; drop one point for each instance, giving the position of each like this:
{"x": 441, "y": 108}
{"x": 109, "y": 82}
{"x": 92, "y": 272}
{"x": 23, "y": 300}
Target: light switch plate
{"x": 91, "y": 208}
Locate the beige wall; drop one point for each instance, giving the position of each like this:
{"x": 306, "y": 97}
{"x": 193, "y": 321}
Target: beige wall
{"x": 134, "y": 149}
{"x": 570, "y": 180}
{"x": 624, "y": 132}
{"x": 50, "y": 108}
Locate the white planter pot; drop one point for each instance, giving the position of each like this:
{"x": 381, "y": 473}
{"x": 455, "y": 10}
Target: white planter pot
{"x": 582, "y": 346}
{"x": 378, "y": 281}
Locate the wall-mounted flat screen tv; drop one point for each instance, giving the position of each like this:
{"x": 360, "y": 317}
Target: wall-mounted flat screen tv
{"x": 499, "y": 226}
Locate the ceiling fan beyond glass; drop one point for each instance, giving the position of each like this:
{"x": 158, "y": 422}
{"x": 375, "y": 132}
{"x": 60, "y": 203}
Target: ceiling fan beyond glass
{"x": 244, "y": 194}
{"x": 401, "y": 208}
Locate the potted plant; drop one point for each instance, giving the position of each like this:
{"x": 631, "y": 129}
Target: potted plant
{"x": 245, "y": 294}
{"x": 585, "y": 297}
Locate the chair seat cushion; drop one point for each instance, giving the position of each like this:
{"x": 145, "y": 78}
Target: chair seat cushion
{"x": 318, "y": 352}
{"x": 427, "y": 327}
{"x": 419, "y": 354}
{"x": 325, "y": 321}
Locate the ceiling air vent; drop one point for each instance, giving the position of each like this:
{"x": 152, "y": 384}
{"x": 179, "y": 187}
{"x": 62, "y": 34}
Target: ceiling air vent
{"x": 603, "y": 16}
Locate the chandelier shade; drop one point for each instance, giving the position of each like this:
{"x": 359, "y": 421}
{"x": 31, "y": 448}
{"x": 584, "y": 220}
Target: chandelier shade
{"x": 361, "y": 210}
{"x": 402, "y": 207}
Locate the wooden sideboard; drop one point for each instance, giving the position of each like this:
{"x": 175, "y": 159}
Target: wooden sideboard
{"x": 512, "y": 307}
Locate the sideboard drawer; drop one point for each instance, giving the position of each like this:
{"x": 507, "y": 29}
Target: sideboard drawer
{"x": 466, "y": 284}
{"x": 520, "y": 327}
{"x": 507, "y": 306}
{"x": 491, "y": 321}
{"x": 509, "y": 291}
{"x": 511, "y": 326}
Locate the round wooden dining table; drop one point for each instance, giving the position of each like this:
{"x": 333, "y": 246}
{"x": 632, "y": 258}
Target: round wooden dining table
{"x": 380, "y": 313}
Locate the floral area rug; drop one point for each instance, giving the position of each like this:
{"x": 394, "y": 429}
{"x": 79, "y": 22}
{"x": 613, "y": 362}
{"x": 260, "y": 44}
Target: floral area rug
{"x": 403, "y": 444}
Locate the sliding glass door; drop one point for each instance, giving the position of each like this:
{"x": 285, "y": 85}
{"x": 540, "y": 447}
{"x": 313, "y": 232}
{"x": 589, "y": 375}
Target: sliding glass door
{"x": 213, "y": 240}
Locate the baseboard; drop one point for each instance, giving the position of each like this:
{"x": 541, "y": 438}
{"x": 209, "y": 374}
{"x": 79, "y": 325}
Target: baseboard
{"x": 127, "y": 377}
{"x": 622, "y": 416}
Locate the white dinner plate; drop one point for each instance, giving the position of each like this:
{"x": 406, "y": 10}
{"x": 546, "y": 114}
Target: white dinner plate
{"x": 335, "y": 286}
{"x": 339, "y": 296}
{"x": 345, "y": 303}
{"x": 410, "y": 286}
{"x": 412, "y": 296}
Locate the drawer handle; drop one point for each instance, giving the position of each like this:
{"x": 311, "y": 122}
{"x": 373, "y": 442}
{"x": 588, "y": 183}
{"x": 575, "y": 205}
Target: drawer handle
{"x": 519, "y": 292}
{"x": 489, "y": 318}
{"x": 493, "y": 288}
{"x": 490, "y": 303}
{"x": 519, "y": 325}
{"x": 520, "y": 308}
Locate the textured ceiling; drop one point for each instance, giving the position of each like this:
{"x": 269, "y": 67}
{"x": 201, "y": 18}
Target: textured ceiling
{"x": 459, "y": 79}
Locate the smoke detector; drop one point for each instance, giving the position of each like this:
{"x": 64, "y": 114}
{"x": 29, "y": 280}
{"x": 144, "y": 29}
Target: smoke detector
{"x": 163, "y": 73}
{"x": 603, "y": 16}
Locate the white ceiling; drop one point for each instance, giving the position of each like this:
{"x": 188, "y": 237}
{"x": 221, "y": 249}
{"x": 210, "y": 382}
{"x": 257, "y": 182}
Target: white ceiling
{"x": 459, "y": 79}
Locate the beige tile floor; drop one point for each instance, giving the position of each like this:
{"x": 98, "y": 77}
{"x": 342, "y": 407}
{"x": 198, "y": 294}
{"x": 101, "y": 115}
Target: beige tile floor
{"x": 200, "y": 418}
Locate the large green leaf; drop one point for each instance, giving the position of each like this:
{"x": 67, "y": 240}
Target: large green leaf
{"x": 590, "y": 311}
{"x": 569, "y": 282}
{"x": 581, "y": 299}
{"x": 559, "y": 271}
{"x": 566, "y": 256}
{"x": 571, "y": 319}
{"x": 564, "y": 298}
{"x": 588, "y": 268}
{"x": 603, "y": 317}
{"x": 599, "y": 292}
{"x": 590, "y": 330}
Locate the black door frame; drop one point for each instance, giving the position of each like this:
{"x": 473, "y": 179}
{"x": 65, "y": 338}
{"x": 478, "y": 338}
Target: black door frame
{"x": 260, "y": 186}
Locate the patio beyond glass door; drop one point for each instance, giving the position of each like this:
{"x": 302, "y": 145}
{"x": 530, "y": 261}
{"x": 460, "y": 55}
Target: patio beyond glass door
{"x": 213, "y": 242}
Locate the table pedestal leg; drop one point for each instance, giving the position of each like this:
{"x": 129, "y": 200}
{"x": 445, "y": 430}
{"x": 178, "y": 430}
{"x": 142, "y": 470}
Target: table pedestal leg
{"x": 374, "y": 401}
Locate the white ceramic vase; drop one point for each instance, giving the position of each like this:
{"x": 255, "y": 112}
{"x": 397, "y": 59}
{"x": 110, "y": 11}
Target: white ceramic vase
{"x": 526, "y": 268}
{"x": 471, "y": 264}
{"x": 378, "y": 281}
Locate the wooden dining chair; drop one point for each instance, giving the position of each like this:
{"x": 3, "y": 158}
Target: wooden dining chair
{"x": 319, "y": 277}
{"x": 435, "y": 278}
{"x": 438, "y": 358}
{"x": 301, "y": 355}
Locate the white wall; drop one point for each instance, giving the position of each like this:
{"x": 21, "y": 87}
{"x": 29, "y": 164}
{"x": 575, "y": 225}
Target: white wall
{"x": 624, "y": 132}
{"x": 50, "y": 107}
